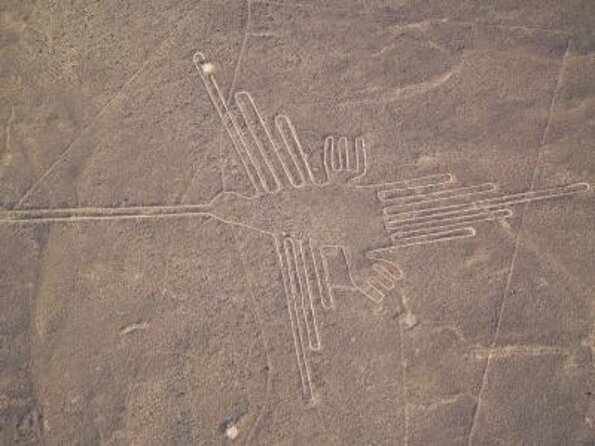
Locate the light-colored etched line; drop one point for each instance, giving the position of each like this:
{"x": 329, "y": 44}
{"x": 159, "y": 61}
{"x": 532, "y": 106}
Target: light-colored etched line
{"x": 294, "y": 146}
{"x": 314, "y": 276}
{"x": 322, "y": 277}
{"x": 380, "y": 285}
{"x": 351, "y": 158}
{"x": 297, "y": 295}
{"x": 108, "y": 105}
{"x": 389, "y": 189}
{"x": 8, "y": 133}
{"x": 162, "y": 216}
{"x": 404, "y": 381}
{"x": 250, "y": 163}
{"x": 254, "y": 121}
{"x": 372, "y": 293}
{"x": 461, "y": 193}
{"x": 329, "y": 149}
{"x": 493, "y": 203}
{"x": 290, "y": 139}
{"x": 343, "y": 153}
{"x": 264, "y": 409}
{"x": 298, "y": 344}
{"x": 303, "y": 272}
{"x": 294, "y": 253}
{"x": 379, "y": 280}
{"x": 70, "y": 215}
{"x": 501, "y": 305}
{"x": 133, "y": 328}
{"x": 81, "y": 219}
{"x": 404, "y": 230}
{"x": 361, "y": 159}
{"x": 277, "y": 157}
{"x": 325, "y": 252}
{"x": 252, "y": 169}
{"x": 394, "y": 222}
{"x": 256, "y": 313}
{"x": 294, "y": 171}
{"x": 99, "y": 213}
{"x": 335, "y": 157}
{"x": 418, "y": 191}
{"x": 205, "y": 70}
{"x": 223, "y": 156}
{"x": 382, "y": 270}
{"x": 439, "y": 236}
{"x": 509, "y": 351}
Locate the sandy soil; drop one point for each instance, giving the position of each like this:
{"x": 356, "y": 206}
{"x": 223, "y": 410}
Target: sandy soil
{"x": 269, "y": 222}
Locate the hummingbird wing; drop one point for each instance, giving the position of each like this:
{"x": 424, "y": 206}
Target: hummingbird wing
{"x": 420, "y": 214}
{"x": 271, "y": 163}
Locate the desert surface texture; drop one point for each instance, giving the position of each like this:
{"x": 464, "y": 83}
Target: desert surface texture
{"x": 297, "y": 223}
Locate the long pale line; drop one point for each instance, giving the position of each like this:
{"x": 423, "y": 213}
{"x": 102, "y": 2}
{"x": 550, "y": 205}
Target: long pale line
{"x": 431, "y": 238}
{"x": 467, "y": 211}
{"x": 240, "y": 99}
{"x": 384, "y": 281}
{"x": 450, "y": 218}
{"x": 236, "y": 73}
{"x": 299, "y": 289}
{"x": 449, "y": 194}
{"x": 233, "y": 84}
{"x": 228, "y": 121}
{"x": 90, "y": 213}
{"x": 306, "y": 248}
{"x": 321, "y": 277}
{"x": 491, "y": 203}
{"x": 254, "y": 427}
{"x": 383, "y": 271}
{"x": 113, "y": 99}
{"x": 515, "y": 252}
{"x": 451, "y": 224}
{"x": 294, "y": 321}
{"x": 263, "y": 338}
{"x": 372, "y": 292}
{"x": 387, "y": 188}
{"x": 288, "y": 135}
{"x": 403, "y": 361}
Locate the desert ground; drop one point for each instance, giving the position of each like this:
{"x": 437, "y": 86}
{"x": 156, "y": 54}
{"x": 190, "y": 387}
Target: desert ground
{"x": 312, "y": 222}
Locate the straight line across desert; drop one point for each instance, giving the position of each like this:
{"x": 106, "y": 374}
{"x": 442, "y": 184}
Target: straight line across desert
{"x": 265, "y": 222}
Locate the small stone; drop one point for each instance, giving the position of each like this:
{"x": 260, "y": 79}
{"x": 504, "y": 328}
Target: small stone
{"x": 232, "y": 432}
{"x": 208, "y": 68}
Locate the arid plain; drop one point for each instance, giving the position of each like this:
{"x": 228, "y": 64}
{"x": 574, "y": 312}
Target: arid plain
{"x": 314, "y": 222}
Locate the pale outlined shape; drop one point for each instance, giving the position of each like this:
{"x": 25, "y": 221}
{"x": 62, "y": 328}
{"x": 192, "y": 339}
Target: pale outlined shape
{"x": 414, "y": 211}
{"x": 293, "y": 146}
{"x": 230, "y": 124}
{"x": 298, "y": 272}
{"x": 296, "y": 330}
{"x": 265, "y": 152}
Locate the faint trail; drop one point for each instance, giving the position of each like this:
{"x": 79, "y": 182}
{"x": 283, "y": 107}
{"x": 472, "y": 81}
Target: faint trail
{"x": 7, "y": 131}
{"x": 222, "y": 158}
{"x": 244, "y": 262}
{"x": 395, "y": 94}
{"x": 242, "y": 51}
{"x": 261, "y": 335}
{"x": 39, "y": 276}
{"x": 367, "y": 11}
{"x": 404, "y": 383}
{"x": 508, "y": 351}
{"x": 5, "y": 155}
{"x": 254, "y": 306}
{"x": 236, "y": 72}
{"x": 101, "y": 112}
{"x": 500, "y": 310}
